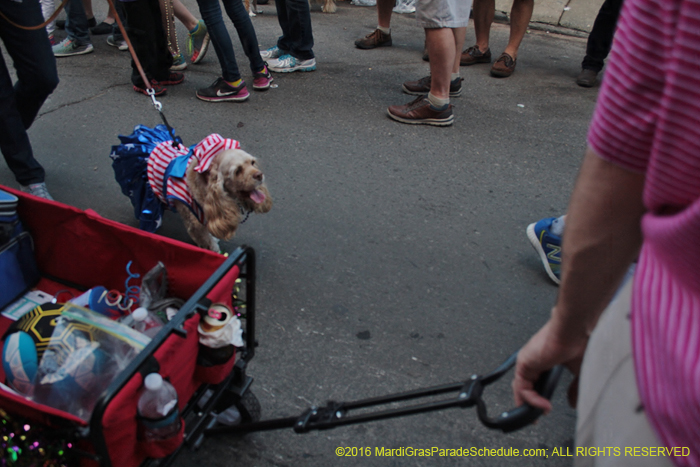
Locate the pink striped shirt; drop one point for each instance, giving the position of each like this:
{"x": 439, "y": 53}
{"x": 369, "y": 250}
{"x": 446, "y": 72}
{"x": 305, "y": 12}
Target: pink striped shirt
{"x": 648, "y": 120}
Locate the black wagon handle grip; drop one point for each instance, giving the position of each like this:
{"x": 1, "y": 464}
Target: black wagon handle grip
{"x": 519, "y": 417}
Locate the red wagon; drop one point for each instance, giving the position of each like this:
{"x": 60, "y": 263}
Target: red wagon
{"x": 76, "y": 250}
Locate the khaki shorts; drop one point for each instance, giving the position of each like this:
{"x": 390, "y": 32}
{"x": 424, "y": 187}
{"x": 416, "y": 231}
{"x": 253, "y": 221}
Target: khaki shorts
{"x": 443, "y": 13}
{"x": 609, "y": 408}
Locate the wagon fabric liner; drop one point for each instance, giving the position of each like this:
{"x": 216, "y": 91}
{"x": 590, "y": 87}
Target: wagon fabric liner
{"x": 77, "y": 250}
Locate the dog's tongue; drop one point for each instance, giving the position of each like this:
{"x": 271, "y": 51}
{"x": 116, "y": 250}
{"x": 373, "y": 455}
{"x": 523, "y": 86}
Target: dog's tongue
{"x": 257, "y": 196}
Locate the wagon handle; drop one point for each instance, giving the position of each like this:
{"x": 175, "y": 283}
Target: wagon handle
{"x": 469, "y": 394}
{"x": 518, "y": 417}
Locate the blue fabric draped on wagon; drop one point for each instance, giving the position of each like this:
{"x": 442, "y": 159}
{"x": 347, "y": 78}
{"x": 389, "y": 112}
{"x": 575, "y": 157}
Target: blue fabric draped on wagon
{"x": 130, "y": 161}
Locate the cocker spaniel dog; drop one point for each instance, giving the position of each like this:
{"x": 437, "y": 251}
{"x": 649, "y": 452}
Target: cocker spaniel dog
{"x": 214, "y": 185}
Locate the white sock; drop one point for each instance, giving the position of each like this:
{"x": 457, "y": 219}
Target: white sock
{"x": 384, "y": 30}
{"x": 437, "y": 102}
{"x": 557, "y": 227}
{"x": 454, "y": 76}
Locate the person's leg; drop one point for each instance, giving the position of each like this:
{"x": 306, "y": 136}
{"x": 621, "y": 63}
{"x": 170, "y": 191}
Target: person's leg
{"x": 87, "y": 6}
{"x": 77, "y": 22}
{"x": 520, "y": 15}
{"x": 246, "y": 33}
{"x": 459, "y": 35}
{"x": 298, "y": 37}
{"x": 284, "y": 41}
{"x": 380, "y": 37}
{"x": 384, "y": 10}
{"x": 444, "y": 45}
{"x": 223, "y": 47}
{"x": 47, "y": 9}
{"x": 601, "y": 36}
{"x": 119, "y": 7}
{"x": 37, "y": 77}
{"x": 148, "y": 39}
{"x": 441, "y": 48}
{"x": 483, "y": 13}
{"x": 230, "y": 87}
{"x": 184, "y": 15}
{"x": 445, "y": 23}
{"x": 116, "y": 38}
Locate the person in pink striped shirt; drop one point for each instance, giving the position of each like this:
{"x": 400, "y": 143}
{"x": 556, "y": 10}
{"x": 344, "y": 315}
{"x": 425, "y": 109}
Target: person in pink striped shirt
{"x": 637, "y": 197}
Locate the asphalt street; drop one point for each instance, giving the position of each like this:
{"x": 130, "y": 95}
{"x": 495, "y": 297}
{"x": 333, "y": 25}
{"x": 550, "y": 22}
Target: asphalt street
{"x": 395, "y": 256}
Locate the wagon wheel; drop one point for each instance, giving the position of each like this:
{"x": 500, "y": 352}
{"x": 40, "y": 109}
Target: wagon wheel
{"x": 249, "y": 407}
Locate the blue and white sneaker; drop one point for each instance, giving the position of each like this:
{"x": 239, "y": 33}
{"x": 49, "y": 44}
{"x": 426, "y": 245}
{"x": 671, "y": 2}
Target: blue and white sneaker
{"x": 272, "y": 52}
{"x": 548, "y": 246}
{"x": 287, "y": 64}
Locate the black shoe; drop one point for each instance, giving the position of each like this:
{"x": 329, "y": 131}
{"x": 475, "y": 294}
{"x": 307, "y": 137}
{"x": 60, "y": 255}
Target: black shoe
{"x": 221, "y": 91}
{"x": 422, "y": 87}
{"x": 101, "y": 29}
{"x": 587, "y": 78}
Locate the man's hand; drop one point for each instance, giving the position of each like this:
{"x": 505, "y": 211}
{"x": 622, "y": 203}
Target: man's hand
{"x": 545, "y": 350}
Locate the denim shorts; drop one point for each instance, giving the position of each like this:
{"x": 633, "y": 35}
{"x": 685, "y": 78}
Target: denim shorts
{"x": 443, "y": 13}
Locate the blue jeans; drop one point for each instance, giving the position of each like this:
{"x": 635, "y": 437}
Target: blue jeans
{"x": 36, "y": 79}
{"x": 77, "y": 22}
{"x": 297, "y": 37}
{"x": 220, "y": 39}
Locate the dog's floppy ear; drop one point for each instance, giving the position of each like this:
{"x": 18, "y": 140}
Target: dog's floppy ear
{"x": 221, "y": 213}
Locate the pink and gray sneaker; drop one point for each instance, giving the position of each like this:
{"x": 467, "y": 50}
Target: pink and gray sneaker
{"x": 262, "y": 80}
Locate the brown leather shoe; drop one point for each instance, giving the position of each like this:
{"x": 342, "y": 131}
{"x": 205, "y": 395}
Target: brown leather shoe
{"x": 504, "y": 66}
{"x": 587, "y": 78}
{"x": 473, "y": 55}
{"x": 374, "y": 39}
{"x": 419, "y": 112}
{"x": 422, "y": 87}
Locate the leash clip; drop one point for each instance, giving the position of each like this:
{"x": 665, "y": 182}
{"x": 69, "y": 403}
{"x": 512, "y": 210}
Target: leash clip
{"x": 152, "y": 92}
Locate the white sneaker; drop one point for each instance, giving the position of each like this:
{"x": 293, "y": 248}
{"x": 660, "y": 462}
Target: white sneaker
{"x": 287, "y": 64}
{"x": 272, "y": 52}
{"x": 37, "y": 189}
{"x": 116, "y": 42}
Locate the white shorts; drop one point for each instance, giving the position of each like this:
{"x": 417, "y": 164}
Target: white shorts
{"x": 443, "y": 13}
{"x": 609, "y": 408}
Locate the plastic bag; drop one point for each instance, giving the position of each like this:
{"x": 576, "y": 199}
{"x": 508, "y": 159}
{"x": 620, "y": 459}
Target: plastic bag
{"x": 85, "y": 353}
{"x": 154, "y": 286}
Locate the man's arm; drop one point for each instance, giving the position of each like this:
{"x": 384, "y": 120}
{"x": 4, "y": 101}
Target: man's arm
{"x": 602, "y": 238}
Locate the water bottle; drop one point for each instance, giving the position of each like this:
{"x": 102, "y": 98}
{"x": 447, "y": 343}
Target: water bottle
{"x": 157, "y": 409}
{"x": 143, "y": 321}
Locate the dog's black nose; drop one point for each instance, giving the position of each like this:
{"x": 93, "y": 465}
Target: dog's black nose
{"x": 258, "y": 176}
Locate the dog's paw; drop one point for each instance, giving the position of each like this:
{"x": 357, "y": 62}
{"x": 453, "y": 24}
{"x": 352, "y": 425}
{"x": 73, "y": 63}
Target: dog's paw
{"x": 213, "y": 244}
